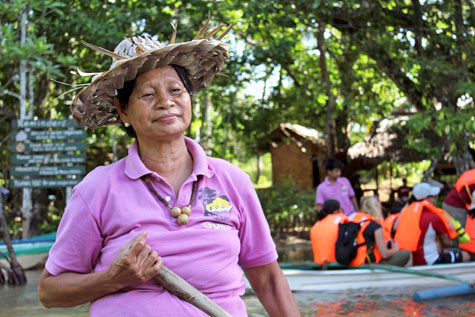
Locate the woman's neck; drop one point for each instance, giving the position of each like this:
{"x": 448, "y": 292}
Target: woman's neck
{"x": 169, "y": 159}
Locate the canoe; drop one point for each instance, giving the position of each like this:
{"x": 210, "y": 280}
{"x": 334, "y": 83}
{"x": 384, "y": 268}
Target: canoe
{"x": 310, "y": 277}
{"x": 30, "y": 253}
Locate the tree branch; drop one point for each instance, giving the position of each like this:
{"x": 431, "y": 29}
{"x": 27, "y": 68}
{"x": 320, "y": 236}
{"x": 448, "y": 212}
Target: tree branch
{"x": 393, "y": 71}
{"x": 291, "y": 74}
{"x": 7, "y": 92}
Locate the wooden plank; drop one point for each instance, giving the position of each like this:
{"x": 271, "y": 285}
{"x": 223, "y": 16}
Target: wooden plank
{"x": 44, "y": 183}
{"x": 40, "y": 135}
{"x": 48, "y": 147}
{"x": 46, "y": 170}
{"x": 49, "y": 158}
{"x": 66, "y": 123}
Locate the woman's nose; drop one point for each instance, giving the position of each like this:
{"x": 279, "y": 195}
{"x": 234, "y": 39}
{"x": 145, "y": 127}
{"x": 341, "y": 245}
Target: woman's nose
{"x": 164, "y": 101}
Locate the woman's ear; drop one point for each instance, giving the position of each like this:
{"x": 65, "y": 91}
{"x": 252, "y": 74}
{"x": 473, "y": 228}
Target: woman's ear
{"x": 122, "y": 113}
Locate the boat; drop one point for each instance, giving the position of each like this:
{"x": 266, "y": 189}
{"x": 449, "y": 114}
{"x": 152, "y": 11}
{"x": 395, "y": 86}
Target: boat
{"x": 30, "y": 253}
{"x": 311, "y": 277}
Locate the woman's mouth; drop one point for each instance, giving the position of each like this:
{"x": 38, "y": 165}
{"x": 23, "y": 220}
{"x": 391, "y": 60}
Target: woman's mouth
{"x": 167, "y": 117}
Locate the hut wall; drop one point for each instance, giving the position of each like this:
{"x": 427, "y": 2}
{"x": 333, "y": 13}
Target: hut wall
{"x": 289, "y": 162}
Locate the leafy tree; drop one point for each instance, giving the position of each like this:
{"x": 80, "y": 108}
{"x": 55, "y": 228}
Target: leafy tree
{"x": 426, "y": 50}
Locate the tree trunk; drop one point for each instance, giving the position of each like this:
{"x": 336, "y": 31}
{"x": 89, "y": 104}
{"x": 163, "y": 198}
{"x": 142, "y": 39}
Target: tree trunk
{"x": 39, "y": 210}
{"x": 430, "y": 170}
{"x": 16, "y": 275}
{"x": 326, "y": 78}
{"x": 26, "y": 199}
{"x": 259, "y": 169}
{"x": 464, "y": 162}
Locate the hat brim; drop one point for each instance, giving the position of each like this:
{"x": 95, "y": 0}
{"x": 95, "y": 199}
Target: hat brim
{"x": 94, "y": 107}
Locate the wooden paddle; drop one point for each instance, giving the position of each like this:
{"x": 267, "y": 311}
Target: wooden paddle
{"x": 185, "y": 291}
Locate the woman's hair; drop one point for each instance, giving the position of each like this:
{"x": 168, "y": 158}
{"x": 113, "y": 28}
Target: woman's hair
{"x": 329, "y": 207}
{"x": 372, "y": 206}
{"x": 413, "y": 199}
{"x": 124, "y": 94}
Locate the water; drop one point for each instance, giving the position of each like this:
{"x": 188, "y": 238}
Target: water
{"x": 22, "y": 301}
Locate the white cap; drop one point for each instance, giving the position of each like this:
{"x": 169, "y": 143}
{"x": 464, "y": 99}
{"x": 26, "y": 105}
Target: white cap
{"x": 424, "y": 190}
{"x": 472, "y": 206}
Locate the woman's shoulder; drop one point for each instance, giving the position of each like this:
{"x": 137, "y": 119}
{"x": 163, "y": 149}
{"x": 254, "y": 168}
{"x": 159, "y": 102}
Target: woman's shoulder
{"x": 221, "y": 166}
{"x": 102, "y": 176}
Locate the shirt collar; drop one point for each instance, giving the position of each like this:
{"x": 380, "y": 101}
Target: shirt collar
{"x": 328, "y": 181}
{"x": 135, "y": 168}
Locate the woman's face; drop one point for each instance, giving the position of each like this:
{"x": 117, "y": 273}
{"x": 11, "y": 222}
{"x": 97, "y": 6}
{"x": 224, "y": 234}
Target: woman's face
{"x": 159, "y": 107}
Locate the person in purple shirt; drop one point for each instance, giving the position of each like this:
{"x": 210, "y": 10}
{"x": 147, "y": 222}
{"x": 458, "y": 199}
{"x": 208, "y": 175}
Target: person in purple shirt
{"x": 166, "y": 203}
{"x": 336, "y": 188}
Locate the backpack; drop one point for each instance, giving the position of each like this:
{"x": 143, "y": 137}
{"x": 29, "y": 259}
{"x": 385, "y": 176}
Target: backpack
{"x": 346, "y": 247}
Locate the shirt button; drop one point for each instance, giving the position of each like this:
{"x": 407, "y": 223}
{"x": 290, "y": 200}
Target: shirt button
{"x": 168, "y": 198}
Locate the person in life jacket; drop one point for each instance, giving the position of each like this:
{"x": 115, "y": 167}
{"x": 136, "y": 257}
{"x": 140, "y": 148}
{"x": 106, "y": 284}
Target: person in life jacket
{"x": 324, "y": 232}
{"x": 378, "y": 246}
{"x": 458, "y": 200}
{"x": 421, "y": 223}
{"x": 470, "y": 229}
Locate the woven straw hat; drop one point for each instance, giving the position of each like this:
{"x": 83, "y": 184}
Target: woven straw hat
{"x": 202, "y": 58}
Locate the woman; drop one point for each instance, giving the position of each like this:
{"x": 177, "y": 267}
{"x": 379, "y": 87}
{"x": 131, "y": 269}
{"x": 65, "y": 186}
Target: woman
{"x": 324, "y": 232}
{"x": 379, "y": 245}
{"x": 165, "y": 203}
{"x": 422, "y": 228}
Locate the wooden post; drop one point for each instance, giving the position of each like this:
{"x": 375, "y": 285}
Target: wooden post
{"x": 185, "y": 291}
{"x": 16, "y": 276}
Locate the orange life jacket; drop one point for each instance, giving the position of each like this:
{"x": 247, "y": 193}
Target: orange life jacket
{"x": 408, "y": 231}
{"x": 388, "y": 225}
{"x": 467, "y": 178}
{"x": 364, "y": 220}
{"x": 324, "y": 235}
{"x": 470, "y": 230}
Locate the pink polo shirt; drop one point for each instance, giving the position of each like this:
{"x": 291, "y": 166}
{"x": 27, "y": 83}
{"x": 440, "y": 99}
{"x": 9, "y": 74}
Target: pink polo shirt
{"x": 340, "y": 191}
{"x": 227, "y": 230}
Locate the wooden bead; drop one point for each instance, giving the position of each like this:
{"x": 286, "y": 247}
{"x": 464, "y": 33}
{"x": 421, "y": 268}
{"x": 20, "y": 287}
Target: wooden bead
{"x": 183, "y": 219}
{"x": 186, "y": 211}
{"x": 176, "y": 211}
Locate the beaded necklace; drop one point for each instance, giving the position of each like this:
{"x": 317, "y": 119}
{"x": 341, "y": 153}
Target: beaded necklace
{"x": 182, "y": 214}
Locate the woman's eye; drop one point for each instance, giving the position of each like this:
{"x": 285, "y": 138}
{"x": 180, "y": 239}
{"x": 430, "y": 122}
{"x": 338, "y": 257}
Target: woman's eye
{"x": 175, "y": 90}
{"x": 147, "y": 95}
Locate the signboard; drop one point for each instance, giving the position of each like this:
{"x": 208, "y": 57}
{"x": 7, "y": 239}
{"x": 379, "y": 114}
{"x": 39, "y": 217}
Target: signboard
{"x": 48, "y": 147}
{"x": 44, "y": 183}
{"x": 47, "y": 158}
{"x": 35, "y": 124}
{"x": 49, "y": 135}
{"x": 47, "y": 153}
{"x": 46, "y": 170}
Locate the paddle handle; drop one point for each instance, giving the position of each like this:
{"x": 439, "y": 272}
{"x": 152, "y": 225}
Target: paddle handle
{"x": 184, "y": 290}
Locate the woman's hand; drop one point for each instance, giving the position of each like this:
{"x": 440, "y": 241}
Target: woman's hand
{"x": 134, "y": 264}
{"x": 382, "y": 245}
{"x": 395, "y": 247}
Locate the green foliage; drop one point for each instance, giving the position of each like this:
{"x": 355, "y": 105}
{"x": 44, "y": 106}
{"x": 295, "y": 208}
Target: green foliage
{"x": 382, "y": 57}
{"x": 287, "y": 206}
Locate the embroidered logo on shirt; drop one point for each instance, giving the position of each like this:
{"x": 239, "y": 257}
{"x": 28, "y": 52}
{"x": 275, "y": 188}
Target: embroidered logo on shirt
{"x": 217, "y": 205}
